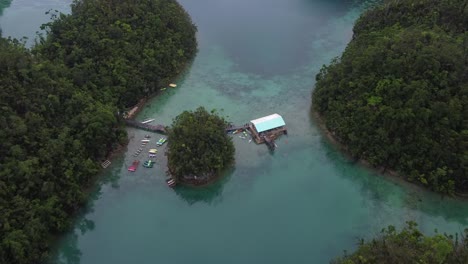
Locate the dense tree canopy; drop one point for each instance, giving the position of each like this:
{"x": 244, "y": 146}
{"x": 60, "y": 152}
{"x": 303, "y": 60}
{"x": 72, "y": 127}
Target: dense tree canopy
{"x": 398, "y": 96}
{"x": 198, "y": 146}
{"x": 409, "y": 246}
{"x": 59, "y": 109}
{"x": 119, "y": 50}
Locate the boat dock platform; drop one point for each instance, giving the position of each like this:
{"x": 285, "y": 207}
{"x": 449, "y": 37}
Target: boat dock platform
{"x": 270, "y": 142}
{"x": 153, "y": 128}
{"x": 232, "y": 128}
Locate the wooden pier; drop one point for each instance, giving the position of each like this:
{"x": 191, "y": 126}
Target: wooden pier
{"x": 153, "y": 128}
{"x": 266, "y": 135}
{"x": 269, "y": 142}
{"x": 232, "y": 128}
{"x": 162, "y": 129}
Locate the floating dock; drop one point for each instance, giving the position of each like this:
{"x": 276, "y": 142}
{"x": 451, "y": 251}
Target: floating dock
{"x": 263, "y": 130}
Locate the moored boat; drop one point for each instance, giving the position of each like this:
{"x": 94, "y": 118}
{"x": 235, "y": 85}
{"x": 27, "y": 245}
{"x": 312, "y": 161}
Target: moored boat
{"x": 147, "y": 121}
{"x": 161, "y": 141}
{"x": 171, "y": 182}
{"x": 153, "y": 151}
{"x": 134, "y": 166}
{"x": 148, "y": 164}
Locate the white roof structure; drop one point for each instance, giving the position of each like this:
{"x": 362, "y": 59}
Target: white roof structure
{"x": 268, "y": 122}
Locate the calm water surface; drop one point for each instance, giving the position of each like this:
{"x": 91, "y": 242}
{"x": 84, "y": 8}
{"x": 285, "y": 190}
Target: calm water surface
{"x": 303, "y": 204}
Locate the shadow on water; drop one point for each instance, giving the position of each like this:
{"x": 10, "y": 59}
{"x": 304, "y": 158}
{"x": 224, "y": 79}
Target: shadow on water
{"x": 211, "y": 194}
{"x": 66, "y": 250}
{"x": 69, "y": 251}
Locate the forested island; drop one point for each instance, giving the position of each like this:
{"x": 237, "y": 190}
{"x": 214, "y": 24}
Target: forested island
{"x": 198, "y": 148}
{"x": 398, "y": 95}
{"x": 398, "y": 98}
{"x": 61, "y": 102}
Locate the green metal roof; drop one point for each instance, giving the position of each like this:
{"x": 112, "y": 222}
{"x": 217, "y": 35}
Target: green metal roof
{"x": 268, "y": 122}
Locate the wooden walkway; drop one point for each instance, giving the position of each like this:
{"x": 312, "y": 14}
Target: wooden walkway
{"x": 153, "y": 128}
{"x": 234, "y": 128}
{"x": 162, "y": 129}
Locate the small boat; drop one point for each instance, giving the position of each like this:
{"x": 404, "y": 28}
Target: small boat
{"x": 171, "y": 182}
{"x": 173, "y": 85}
{"x": 153, "y": 151}
{"x": 162, "y": 89}
{"x": 148, "y": 164}
{"x": 145, "y": 140}
{"x": 134, "y": 166}
{"x": 152, "y": 155}
{"x": 147, "y": 121}
{"x": 161, "y": 141}
{"x": 147, "y": 136}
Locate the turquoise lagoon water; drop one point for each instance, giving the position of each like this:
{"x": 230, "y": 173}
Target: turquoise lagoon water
{"x": 305, "y": 203}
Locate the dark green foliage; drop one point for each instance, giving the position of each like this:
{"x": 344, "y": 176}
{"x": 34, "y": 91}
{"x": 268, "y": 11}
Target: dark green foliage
{"x": 4, "y": 4}
{"x": 450, "y": 15}
{"x": 44, "y": 157}
{"x": 398, "y": 96}
{"x": 409, "y": 246}
{"x": 121, "y": 51}
{"x": 198, "y": 145}
{"x": 60, "y": 107}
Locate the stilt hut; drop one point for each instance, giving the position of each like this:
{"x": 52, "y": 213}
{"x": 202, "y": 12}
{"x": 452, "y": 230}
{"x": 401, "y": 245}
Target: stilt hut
{"x": 267, "y": 128}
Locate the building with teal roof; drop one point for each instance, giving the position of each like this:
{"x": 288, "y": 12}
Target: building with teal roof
{"x": 267, "y": 127}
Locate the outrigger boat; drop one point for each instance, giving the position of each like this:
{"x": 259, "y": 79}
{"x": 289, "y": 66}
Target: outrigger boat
{"x": 147, "y": 121}
{"x": 153, "y": 151}
{"x": 161, "y": 141}
{"x": 148, "y": 164}
{"x": 134, "y": 166}
{"x": 171, "y": 182}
